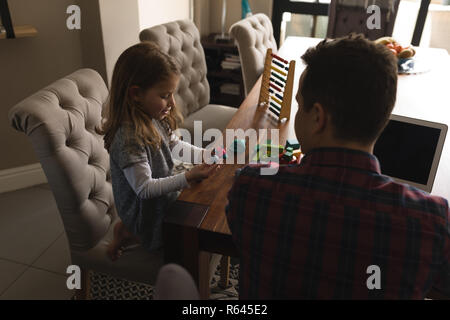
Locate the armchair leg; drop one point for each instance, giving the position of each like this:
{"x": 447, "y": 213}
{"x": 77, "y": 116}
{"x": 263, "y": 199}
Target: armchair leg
{"x": 83, "y": 293}
{"x": 224, "y": 271}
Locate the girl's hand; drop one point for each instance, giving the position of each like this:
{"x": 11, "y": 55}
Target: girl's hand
{"x": 201, "y": 171}
{"x": 208, "y": 153}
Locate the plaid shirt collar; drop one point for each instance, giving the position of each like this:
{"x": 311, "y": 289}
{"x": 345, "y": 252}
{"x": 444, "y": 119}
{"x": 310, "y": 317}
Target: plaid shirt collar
{"x": 341, "y": 157}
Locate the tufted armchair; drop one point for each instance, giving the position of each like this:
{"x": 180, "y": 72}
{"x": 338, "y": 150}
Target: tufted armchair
{"x": 254, "y": 35}
{"x": 59, "y": 120}
{"x": 346, "y": 16}
{"x": 181, "y": 40}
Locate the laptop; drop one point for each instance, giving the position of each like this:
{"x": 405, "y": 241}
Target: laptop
{"x": 409, "y": 150}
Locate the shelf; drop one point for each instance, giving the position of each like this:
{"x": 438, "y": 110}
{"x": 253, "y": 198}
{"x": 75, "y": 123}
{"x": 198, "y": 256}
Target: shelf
{"x": 21, "y": 32}
{"x": 215, "y": 54}
{"x": 226, "y": 74}
{"x": 209, "y": 43}
{"x": 227, "y": 100}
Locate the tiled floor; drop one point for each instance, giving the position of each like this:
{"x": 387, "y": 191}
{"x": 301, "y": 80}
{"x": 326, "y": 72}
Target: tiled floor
{"x": 34, "y": 251}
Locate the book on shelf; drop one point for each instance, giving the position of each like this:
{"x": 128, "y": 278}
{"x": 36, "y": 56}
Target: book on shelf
{"x": 230, "y": 65}
{"x": 230, "y": 88}
{"x": 231, "y": 61}
{"x": 232, "y": 58}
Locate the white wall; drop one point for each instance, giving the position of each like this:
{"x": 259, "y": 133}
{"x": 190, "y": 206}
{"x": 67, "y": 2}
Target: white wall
{"x": 120, "y": 28}
{"x": 122, "y": 20}
{"x": 440, "y": 26}
{"x": 202, "y": 16}
{"x": 406, "y": 21}
{"x": 154, "y": 12}
{"x": 234, "y": 12}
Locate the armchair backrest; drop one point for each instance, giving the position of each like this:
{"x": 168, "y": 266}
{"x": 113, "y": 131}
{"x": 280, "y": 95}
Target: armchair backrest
{"x": 59, "y": 120}
{"x": 181, "y": 40}
{"x": 254, "y": 35}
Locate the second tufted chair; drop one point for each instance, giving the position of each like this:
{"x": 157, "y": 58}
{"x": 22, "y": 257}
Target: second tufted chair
{"x": 181, "y": 40}
{"x": 254, "y": 35}
{"x": 59, "y": 120}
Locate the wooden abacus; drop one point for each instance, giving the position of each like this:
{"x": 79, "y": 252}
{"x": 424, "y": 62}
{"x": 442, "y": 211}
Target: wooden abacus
{"x": 277, "y": 85}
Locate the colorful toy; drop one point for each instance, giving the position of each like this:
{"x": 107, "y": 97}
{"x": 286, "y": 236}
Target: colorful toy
{"x": 288, "y": 159}
{"x": 220, "y": 152}
{"x": 215, "y": 159}
{"x": 277, "y": 85}
{"x": 268, "y": 148}
{"x": 238, "y": 146}
{"x": 293, "y": 143}
{"x": 287, "y": 155}
{"x": 291, "y": 154}
{"x": 264, "y": 151}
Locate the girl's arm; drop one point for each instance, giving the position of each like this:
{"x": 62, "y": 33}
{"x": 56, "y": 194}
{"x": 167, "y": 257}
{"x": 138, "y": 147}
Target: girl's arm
{"x": 194, "y": 153}
{"x": 139, "y": 177}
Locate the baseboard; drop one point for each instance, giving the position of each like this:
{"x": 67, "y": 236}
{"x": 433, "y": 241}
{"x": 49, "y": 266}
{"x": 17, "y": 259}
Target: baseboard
{"x": 21, "y": 177}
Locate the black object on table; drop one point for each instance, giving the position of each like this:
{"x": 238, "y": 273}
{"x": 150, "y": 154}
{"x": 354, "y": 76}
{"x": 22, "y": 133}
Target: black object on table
{"x": 6, "y": 19}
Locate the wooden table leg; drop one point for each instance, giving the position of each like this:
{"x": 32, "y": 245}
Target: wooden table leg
{"x": 181, "y": 242}
{"x": 224, "y": 271}
{"x": 196, "y": 262}
{"x": 204, "y": 259}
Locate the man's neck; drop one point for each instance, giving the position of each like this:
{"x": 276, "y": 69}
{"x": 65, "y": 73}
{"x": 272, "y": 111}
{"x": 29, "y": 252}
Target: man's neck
{"x": 346, "y": 145}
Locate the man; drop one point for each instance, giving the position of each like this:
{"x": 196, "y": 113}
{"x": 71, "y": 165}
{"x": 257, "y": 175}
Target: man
{"x": 334, "y": 227}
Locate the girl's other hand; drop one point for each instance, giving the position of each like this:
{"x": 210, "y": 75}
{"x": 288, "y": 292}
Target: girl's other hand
{"x": 201, "y": 171}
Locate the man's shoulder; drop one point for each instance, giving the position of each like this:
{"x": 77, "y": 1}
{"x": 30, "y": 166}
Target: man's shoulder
{"x": 266, "y": 175}
{"x": 412, "y": 198}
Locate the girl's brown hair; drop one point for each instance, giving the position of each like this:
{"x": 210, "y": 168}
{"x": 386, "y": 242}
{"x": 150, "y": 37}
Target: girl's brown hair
{"x": 143, "y": 65}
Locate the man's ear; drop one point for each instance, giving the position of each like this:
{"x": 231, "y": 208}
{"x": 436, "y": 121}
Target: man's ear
{"x": 319, "y": 118}
{"x": 134, "y": 92}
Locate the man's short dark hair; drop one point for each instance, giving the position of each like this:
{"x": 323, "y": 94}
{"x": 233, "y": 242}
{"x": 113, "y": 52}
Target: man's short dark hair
{"x": 355, "y": 80}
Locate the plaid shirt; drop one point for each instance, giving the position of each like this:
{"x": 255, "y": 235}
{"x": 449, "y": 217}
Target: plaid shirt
{"x": 312, "y": 230}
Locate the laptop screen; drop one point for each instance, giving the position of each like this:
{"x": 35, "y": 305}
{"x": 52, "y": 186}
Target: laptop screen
{"x": 406, "y": 150}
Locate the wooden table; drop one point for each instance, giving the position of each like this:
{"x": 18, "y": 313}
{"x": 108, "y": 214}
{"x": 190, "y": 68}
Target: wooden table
{"x": 196, "y": 225}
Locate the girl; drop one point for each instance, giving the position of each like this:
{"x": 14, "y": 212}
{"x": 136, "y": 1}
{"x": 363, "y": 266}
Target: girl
{"x": 138, "y": 134}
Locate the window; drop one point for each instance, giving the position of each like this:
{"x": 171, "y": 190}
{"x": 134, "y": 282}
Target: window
{"x": 437, "y": 24}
